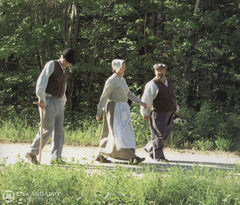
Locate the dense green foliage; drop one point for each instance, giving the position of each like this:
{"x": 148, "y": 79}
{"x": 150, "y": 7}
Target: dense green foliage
{"x": 199, "y": 43}
{"x": 78, "y": 185}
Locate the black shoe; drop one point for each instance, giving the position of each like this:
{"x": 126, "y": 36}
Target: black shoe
{"x": 32, "y": 158}
{"x": 102, "y": 159}
{"x": 162, "y": 159}
{"x": 58, "y": 162}
{"x": 136, "y": 160}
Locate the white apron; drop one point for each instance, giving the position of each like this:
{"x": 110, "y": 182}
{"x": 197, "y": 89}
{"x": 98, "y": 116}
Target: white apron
{"x": 122, "y": 127}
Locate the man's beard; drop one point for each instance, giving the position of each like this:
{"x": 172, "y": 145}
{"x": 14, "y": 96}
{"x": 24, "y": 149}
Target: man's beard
{"x": 160, "y": 75}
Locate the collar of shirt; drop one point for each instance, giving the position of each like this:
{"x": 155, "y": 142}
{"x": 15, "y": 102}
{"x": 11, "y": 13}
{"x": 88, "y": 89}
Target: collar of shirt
{"x": 165, "y": 82}
{"x": 61, "y": 66}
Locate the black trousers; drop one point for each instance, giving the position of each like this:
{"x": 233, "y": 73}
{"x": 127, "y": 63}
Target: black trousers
{"x": 160, "y": 127}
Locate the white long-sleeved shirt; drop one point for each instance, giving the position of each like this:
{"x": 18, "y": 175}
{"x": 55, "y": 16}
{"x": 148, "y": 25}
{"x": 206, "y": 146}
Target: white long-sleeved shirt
{"x": 115, "y": 89}
{"x": 42, "y": 81}
{"x": 149, "y": 94}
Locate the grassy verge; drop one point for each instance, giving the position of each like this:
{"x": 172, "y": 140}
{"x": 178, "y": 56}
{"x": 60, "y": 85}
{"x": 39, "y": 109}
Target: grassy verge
{"x": 20, "y": 132}
{"x": 56, "y": 185}
{"x": 87, "y": 134}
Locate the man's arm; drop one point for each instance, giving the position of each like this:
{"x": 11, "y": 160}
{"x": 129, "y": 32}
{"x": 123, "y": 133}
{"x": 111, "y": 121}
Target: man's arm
{"x": 43, "y": 81}
{"x": 64, "y": 98}
{"x": 149, "y": 94}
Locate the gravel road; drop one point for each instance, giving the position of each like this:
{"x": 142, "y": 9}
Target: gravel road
{"x": 86, "y": 155}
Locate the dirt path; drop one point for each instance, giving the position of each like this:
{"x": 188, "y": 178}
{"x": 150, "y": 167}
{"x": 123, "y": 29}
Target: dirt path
{"x": 86, "y": 155}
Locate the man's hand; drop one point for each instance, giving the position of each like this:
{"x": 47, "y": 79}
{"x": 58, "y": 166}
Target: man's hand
{"x": 98, "y": 117}
{"x": 146, "y": 118}
{"x": 144, "y": 105}
{"x": 41, "y": 104}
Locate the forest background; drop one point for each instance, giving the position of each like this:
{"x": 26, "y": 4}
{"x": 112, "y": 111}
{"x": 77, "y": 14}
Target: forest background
{"x": 197, "y": 40}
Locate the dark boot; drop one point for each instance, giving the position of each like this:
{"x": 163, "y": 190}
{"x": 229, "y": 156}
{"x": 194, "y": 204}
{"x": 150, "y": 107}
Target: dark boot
{"x": 136, "y": 160}
{"x": 58, "y": 162}
{"x": 102, "y": 159}
{"x": 32, "y": 158}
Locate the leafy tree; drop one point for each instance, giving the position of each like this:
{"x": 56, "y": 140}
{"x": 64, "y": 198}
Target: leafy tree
{"x": 198, "y": 40}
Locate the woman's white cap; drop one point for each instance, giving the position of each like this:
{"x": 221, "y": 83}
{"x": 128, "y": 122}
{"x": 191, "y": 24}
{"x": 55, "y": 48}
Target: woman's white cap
{"x": 117, "y": 64}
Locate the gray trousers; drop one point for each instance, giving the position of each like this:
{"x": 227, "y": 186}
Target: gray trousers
{"x": 160, "y": 127}
{"x": 53, "y": 117}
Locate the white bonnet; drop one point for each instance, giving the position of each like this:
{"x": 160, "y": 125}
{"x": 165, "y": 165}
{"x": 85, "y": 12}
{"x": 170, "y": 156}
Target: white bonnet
{"x": 117, "y": 64}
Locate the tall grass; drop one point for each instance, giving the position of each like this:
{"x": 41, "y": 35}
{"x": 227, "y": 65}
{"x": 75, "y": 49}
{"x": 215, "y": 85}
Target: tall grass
{"x": 87, "y": 131}
{"x": 19, "y": 132}
{"x": 59, "y": 185}
{"x": 88, "y": 134}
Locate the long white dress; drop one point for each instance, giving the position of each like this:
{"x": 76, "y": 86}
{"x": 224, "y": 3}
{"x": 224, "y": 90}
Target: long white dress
{"x": 117, "y": 137}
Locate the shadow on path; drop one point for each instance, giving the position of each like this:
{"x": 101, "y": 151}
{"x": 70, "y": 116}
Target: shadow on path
{"x": 158, "y": 166}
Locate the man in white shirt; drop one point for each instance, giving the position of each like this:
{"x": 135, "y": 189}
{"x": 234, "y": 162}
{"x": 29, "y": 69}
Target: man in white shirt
{"x": 50, "y": 90}
{"x": 161, "y": 105}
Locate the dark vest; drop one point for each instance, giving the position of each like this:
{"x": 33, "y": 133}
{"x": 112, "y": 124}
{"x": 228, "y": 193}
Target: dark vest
{"x": 57, "y": 81}
{"x": 166, "y": 99}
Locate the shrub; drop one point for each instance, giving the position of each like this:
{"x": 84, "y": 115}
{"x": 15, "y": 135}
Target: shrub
{"x": 223, "y": 144}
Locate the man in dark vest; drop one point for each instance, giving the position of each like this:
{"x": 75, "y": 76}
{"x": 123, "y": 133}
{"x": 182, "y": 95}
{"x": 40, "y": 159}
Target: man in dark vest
{"x": 50, "y": 90}
{"x": 161, "y": 106}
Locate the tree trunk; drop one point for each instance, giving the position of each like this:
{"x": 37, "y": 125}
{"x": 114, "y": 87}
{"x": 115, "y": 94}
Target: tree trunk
{"x": 76, "y": 26}
{"x": 196, "y": 7}
{"x": 144, "y": 33}
{"x": 194, "y": 13}
{"x": 65, "y": 20}
{"x": 37, "y": 23}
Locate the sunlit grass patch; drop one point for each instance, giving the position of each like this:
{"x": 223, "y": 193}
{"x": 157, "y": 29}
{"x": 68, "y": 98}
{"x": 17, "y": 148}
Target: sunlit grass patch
{"x": 79, "y": 185}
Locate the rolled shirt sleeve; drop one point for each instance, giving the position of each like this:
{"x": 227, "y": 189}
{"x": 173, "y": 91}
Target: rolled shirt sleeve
{"x": 149, "y": 94}
{"x": 133, "y": 97}
{"x": 42, "y": 81}
{"x": 64, "y": 98}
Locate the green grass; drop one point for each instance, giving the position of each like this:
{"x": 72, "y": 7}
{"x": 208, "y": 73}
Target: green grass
{"x": 88, "y": 132}
{"x": 59, "y": 185}
{"x": 19, "y": 132}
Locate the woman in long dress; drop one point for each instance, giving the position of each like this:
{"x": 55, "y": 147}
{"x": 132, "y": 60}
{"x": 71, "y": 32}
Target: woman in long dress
{"x": 117, "y": 137}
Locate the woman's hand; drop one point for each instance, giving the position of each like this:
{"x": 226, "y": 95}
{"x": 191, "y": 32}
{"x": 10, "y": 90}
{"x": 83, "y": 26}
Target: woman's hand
{"x": 146, "y": 118}
{"x": 98, "y": 117}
